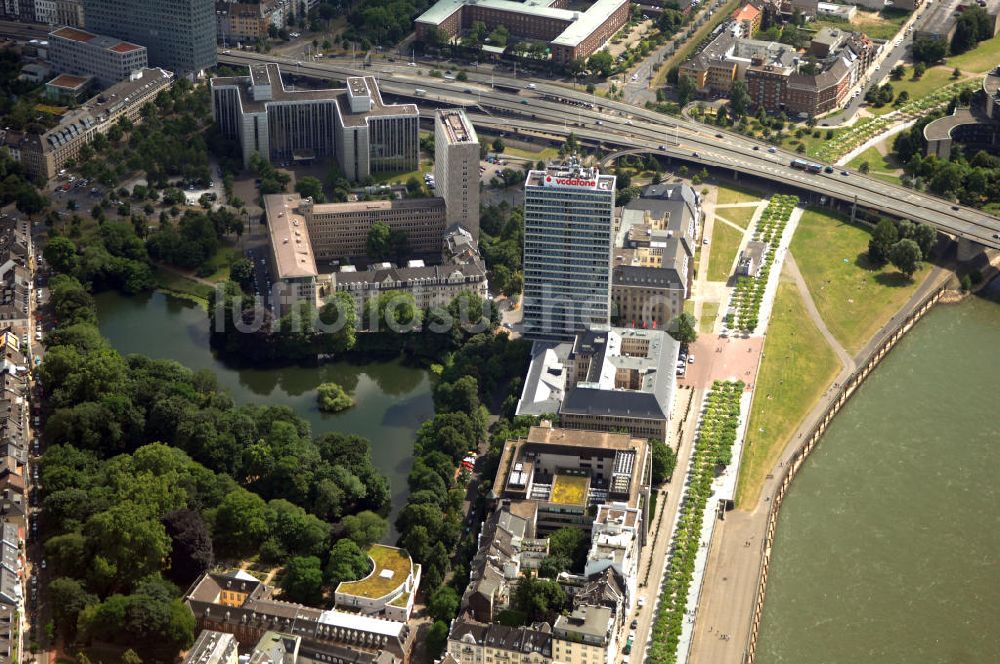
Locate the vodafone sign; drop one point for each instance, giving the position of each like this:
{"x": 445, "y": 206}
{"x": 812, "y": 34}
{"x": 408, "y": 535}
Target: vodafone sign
{"x": 576, "y": 183}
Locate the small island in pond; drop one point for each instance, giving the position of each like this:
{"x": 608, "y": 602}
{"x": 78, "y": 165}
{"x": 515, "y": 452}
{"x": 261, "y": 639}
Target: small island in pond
{"x": 333, "y": 398}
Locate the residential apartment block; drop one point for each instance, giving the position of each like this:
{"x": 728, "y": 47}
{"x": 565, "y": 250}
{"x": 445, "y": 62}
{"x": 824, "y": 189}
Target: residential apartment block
{"x": 570, "y": 34}
{"x": 241, "y": 605}
{"x": 352, "y": 125}
{"x": 778, "y": 77}
{"x": 747, "y": 19}
{"x": 568, "y": 236}
{"x": 456, "y": 168}
{"x": 179, "y": 34}
{"x": 43, "y": 155}
{"x": 250, "y": 22}
{"x": 616, "y": 379}
{"x": 107, "y": 59}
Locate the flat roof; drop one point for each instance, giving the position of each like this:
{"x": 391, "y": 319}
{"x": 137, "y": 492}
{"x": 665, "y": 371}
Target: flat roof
{"x": 391, "y": 568}
{"x": 372, "y": 206}
{"x": 289, "y": 237}
{"x": 74, "y": 34}
{"x": 95, "y": 40}
{"x": 270, "y": 74}
{"x": 570, "y": 176}
{"x": 98, "y": 108}
{"x": 581, "y": 24}
{"x": 604, "y": 440}
{"x": 69, "y": 81}
{"x": 362, "y": 623}
{"x": 457, "y": 128}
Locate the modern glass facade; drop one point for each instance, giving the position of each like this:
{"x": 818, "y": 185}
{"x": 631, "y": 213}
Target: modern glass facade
{"x": 179, "y": 34}
{"x": 567, "y": 252}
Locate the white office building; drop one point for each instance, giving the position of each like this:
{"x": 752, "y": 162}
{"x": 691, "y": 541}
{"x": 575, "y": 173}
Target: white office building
{"x": 456, "y": 168}
{"x": 568, "y": 240}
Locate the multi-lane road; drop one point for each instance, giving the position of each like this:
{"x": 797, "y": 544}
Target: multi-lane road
{"x": 555, "y": 110}
{"x": 550, "y": 109}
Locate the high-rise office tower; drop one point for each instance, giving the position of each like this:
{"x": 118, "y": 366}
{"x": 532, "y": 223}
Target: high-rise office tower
{"x": 568, "y": 234}
{"x": 456, "y": 168}
{"x": 179, "y": 34}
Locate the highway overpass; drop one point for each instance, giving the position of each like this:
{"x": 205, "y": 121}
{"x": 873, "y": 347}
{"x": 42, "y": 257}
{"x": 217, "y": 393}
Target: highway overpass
{"x": 553, "y": 109}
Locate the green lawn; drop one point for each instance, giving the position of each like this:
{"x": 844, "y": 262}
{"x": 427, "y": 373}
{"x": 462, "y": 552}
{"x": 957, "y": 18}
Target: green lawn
{"x": 740, "y": 216}
{"x": 541, "y": 153}
{"x": 180, "y": 286}
{"x": 882, "y": 167}
{"x": 853, "y": 300}
{"x": 223, "y": 258}
{"x": 798, "y": 365}
{"x": 725, "y": 242}
{"x": 813, "y": 139}
{"x": 426, "y": 166}
{"x": 877, "y": 25}
{"x": 709, "y": 311}
{"x": 730, "y": 194}
{"x": 376, "y": 585}
{"x": 979, "y": 60}
{"x": 933, "y": 79}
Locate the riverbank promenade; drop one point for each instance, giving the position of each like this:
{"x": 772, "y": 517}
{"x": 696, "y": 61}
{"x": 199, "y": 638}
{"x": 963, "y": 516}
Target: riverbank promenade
{"x": 724, "y": 618}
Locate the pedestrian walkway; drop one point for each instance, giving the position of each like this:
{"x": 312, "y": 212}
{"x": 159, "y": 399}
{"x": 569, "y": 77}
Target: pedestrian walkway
{"x": 846, "y": 361}
{"x": 736, "y": 553}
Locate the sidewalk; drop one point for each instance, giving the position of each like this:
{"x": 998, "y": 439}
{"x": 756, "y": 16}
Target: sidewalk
{"x": 736, "y": 553}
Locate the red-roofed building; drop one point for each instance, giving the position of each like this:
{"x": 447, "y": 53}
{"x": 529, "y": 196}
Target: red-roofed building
{"x": 81, "y": 53}
{"x": 748, "y": 19}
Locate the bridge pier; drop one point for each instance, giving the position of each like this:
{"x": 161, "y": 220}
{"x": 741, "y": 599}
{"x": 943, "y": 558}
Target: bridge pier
{"x": 968, "y": 250}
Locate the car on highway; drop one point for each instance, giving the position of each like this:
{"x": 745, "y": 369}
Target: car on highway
{"x": 772, "y": 149}
{"x": 756, "y": 148}
{"x": 718, "y": 135}
{"x": 828, "y": 169}
{"x": 696, "y": 155}
{"x": 844, "y": 173}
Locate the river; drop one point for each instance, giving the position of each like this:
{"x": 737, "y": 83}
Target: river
{"x": 888, "y": 542}
{"x": 392, "y": 399}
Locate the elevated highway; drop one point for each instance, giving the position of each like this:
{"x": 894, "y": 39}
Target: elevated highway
{"x": 550, "y": 109}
